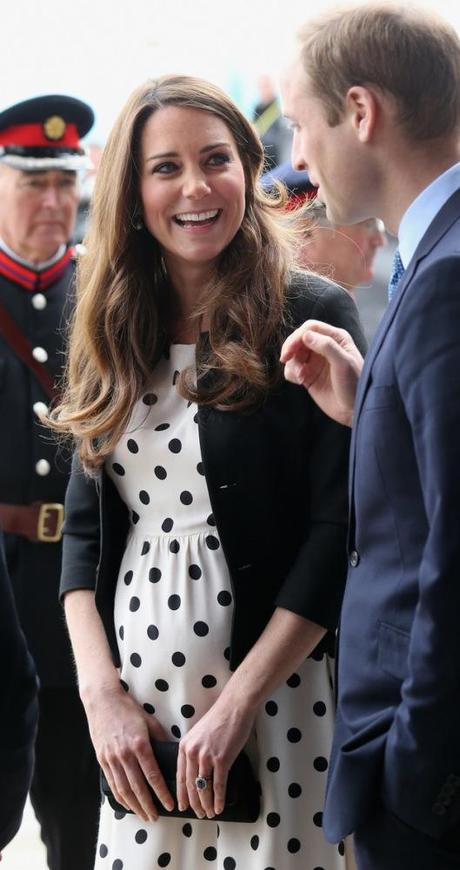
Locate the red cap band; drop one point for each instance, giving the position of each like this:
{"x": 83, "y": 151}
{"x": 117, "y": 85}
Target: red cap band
{"x": 33, "y": 135}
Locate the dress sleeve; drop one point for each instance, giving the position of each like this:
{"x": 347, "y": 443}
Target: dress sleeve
{"x": 81, "y": 532}
{"x": 315, "y": 583}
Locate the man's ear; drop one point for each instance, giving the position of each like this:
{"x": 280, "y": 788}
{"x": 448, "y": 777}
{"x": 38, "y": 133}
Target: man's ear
{"x": 362, "y": 108}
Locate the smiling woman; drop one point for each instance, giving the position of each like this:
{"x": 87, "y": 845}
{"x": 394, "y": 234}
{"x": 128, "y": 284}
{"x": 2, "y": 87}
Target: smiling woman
{"x": 193, "y": 576}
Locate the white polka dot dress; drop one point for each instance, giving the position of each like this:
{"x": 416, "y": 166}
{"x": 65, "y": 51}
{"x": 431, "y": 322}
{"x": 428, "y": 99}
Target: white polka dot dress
{"x": 173, "y": 614}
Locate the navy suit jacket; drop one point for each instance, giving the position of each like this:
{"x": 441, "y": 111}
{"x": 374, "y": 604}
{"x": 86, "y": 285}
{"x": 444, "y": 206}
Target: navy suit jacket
{"x": 18, "y": 712}
{"x": 397, "y": 736}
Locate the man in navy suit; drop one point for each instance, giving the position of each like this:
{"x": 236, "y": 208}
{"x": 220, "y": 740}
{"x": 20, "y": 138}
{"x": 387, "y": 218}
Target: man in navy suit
{"x": 374, "y": 100}
{"x": 19, "y": 712}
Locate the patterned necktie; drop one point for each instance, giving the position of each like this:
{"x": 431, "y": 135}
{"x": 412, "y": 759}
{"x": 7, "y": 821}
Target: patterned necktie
{"x": 396, "y": 275}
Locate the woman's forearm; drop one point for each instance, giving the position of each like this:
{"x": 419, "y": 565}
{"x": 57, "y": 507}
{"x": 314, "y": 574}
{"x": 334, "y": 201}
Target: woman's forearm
{"x": 95, "y": 668}
{"x": 284, "y": 644}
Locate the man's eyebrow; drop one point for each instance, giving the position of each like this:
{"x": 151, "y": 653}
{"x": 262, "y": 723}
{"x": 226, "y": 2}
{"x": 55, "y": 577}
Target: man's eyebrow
{"x": 203, "y": 150}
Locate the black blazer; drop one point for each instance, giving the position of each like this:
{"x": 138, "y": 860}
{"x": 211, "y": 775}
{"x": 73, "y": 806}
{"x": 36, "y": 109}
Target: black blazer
{"x": 18, "y": 712}
{"x": 277, "y": 481}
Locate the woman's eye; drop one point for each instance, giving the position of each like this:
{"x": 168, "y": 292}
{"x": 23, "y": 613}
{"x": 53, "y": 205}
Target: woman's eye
{"x": 219, "y": 159}
{"x": 165, "y": 168}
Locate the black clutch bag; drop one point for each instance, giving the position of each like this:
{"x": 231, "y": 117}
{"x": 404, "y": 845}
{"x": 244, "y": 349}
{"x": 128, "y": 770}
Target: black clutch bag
{"x": 242, "y": 800}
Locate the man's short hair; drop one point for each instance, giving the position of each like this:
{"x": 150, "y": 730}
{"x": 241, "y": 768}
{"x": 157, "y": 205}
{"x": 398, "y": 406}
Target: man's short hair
{"x": 407, "y": 53}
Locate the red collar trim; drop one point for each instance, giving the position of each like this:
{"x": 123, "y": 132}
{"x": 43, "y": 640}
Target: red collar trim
{"x": 30, "y": 279}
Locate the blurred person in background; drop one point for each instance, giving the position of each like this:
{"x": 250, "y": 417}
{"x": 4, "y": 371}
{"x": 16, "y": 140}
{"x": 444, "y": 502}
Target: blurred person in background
{"x": 270, "y": 123}
{"x": 217, "y": 594}
{"x": 344, "y": 253}
{"x": 40, "y": 155}
{"x": 18, "y": 712}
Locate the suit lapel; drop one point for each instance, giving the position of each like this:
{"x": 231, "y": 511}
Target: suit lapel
{"x": 441, "y": 224}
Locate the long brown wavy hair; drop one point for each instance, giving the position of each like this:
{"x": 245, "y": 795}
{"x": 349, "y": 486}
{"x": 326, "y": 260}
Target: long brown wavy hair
{"x": 125, "y": 302}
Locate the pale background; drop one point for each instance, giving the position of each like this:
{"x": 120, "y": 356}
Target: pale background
{"x": 99, "y": 50}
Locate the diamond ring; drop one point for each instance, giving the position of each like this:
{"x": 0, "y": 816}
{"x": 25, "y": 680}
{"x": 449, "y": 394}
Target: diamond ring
{"x": 201, "y": 782}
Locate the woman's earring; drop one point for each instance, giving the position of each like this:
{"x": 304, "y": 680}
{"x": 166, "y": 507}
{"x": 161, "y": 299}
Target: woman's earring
{"x": 137, "y": 221}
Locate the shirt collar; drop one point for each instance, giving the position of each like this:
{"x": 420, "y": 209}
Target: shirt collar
{"x": 35, "y": 267}
{"x": 422, "y": 211}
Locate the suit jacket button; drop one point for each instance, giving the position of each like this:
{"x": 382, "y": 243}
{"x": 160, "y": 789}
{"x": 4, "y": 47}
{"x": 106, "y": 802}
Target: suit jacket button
{"x": 354, "y": 559}
{"x": 439, "y": 809}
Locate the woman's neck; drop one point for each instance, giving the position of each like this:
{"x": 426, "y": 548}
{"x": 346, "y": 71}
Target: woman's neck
{"x": 188, "y": 281}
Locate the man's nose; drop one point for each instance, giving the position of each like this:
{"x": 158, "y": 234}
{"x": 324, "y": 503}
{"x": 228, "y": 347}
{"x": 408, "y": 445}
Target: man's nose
{"x": 51, "y": 198}
{"x": 297, "y": 159}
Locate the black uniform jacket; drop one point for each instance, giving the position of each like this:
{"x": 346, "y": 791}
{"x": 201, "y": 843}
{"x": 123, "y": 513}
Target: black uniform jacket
{"x": 18, "y": 713}
{"x": 33, "y": 467}
{"x": 277, "y": 481}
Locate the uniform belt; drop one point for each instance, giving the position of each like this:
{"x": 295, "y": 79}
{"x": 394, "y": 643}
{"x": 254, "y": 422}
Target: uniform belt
{"x": 40, "y": 521}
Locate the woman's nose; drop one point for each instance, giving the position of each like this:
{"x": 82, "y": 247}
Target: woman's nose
{"x": 196, "y": 185}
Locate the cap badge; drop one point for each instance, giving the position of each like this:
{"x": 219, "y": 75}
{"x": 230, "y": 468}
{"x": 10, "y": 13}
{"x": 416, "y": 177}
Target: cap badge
{"x": 54, "y": 127}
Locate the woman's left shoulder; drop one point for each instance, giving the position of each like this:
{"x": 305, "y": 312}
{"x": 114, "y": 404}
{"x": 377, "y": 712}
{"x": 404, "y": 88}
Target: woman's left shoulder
{"x": 313, "y": 297}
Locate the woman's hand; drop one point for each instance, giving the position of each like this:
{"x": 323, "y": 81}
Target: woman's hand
{"x": 209, "y": 750}
{"x": 325, "y": 360}
{"x": 121, "y": 730}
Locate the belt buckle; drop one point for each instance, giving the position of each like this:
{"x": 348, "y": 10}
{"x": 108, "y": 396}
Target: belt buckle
{"x": 48, "y": 510}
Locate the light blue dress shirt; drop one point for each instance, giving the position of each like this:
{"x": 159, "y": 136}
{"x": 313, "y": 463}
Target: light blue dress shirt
{"x": 423, "y": 210}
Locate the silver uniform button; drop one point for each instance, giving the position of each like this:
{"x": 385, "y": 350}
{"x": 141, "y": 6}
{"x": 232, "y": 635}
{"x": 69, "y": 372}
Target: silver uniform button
{"x": 40, "y": 354}
{"x": 40, "y": 409}
{"x": 39, "y": 301}
{"x": 42, "y": 467}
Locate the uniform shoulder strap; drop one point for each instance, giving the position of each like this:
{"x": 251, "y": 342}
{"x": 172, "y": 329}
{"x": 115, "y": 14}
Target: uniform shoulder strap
{"x": 23, "y": 349}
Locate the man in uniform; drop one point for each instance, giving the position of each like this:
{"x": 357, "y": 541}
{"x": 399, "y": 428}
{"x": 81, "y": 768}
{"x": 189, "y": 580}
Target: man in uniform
{"x": 40, "y": 155}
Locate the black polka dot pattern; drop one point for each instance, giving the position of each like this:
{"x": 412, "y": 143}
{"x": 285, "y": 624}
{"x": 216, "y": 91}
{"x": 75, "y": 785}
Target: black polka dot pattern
{"x": 271, "y": 708}
{"x": 187, "y": 710}
{"x": 224, "y": 598}
{"x": 173, "y": 618}
{"x": 162, "y": 685}
{"x": 154, "y": 575}
{"x": 294, "y": 735}
{"x": 174, "y": 602}
{"x": 319, "y": 708}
